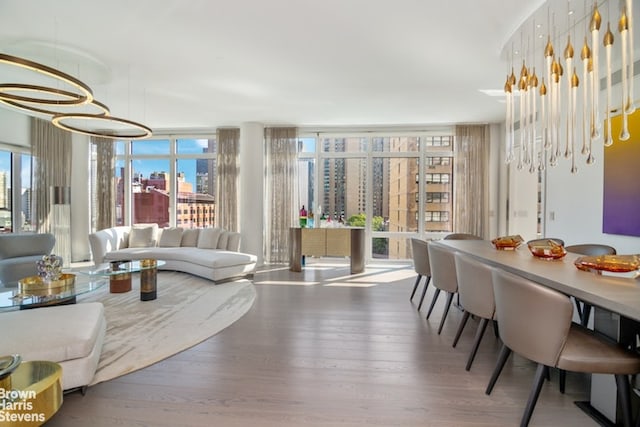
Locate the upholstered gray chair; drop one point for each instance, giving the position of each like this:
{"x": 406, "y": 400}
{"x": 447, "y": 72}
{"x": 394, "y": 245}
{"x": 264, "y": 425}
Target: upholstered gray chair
{"x": 535, "y": 322}
{"x": 589, "y": 249}
{"x": 443, "y": 272}
{"x": 462, "y": 236}
{"x": 475, "y": 290}
{"x": 420, "y": 255}
{"x": 19, "y": 253}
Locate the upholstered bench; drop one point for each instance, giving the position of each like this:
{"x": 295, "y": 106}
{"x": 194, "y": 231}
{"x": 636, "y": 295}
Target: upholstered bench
{"x": 71, "y": 335}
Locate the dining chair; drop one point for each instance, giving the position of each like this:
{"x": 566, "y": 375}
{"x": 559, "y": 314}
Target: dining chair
{"x": 475, "y": 289}
{"x": 420, "y": 254}
{"x": 588, "y": 249}
{"x": 443, "y": 272}
{"x": 462, "y": 236}
{"x": 535, "y": 322}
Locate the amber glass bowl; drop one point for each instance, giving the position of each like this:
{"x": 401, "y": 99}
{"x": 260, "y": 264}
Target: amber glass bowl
{"x": 547, "y": 249}
{"x": 507, "y": 243}
{"x": 610, "y": 263}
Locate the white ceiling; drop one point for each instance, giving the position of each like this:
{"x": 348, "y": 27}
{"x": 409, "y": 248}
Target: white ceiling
{"x": 198, "y": 64}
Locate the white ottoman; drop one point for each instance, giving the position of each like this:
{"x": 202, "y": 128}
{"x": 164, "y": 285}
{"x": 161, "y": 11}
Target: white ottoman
{"x": 71, "y": 335}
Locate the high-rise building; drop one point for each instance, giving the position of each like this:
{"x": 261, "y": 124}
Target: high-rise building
{"x": 5, "y": 190}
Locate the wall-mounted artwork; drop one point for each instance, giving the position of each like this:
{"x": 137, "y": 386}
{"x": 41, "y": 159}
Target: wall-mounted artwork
{"x": 621, "y": 198}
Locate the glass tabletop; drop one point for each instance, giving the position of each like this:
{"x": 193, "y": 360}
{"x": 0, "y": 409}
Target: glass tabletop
{"x": 120, "y": 267}
{"x": 12, "y": 297}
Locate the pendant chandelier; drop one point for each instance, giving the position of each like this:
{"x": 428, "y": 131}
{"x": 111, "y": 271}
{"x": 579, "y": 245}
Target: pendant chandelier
{"x": 38, "y": 89}
{"x": 559, "y": 113}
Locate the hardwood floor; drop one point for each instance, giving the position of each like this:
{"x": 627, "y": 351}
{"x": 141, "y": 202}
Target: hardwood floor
{"x": 323, "y": 348}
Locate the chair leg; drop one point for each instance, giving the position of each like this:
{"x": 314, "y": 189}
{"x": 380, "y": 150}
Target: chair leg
{"x": 446, "y": 311}
{"x": 415, "y": 287}
{"x": 563, "y": 380}
{"x": 586, "y": 313}
{"x": 433, "y": 302}
{"x": 624, "y": 394}
{"x": 482, "y": 326}
{"x": 496, "y": 332}
{"x": 502, "y": 359}
{"x": 533, "y": 396}
{"x": 463, "y": 322}
{"x": 578, "y": 307}
{"x": 424, "y": 292}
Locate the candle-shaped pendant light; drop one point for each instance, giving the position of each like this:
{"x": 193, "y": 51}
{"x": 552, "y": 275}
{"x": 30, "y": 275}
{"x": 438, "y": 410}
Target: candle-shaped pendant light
{"x": 522, "y": 87}
{"x": 543, "y": 112}
{"x": 572, "y": 124}
{"x": 546, "y": 126}
{"x": 594, "y": 27}
{"x": 608, "y": 42}
{"x": 590, "y": 158}
{"x": 568, "y": 56}
{"x": 585, "y": 55}
{"x": 626, "y": 100}
{"x": 631, "y": 106}
{"x": 508, "y": 121}
{"x": 533, "y": 87}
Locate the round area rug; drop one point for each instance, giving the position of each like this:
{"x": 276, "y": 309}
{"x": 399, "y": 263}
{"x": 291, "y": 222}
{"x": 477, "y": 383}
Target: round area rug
{"x": 188, "y": 310}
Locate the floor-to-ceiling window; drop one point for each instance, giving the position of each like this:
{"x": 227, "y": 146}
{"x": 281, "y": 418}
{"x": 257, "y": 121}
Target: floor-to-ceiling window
{"x": 168, "y": 181}
{"x": 15, "y": 191}
{"x": 395, "y": 185}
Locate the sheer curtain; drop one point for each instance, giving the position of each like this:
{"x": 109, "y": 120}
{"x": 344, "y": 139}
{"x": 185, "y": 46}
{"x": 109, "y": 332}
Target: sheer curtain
{"x": 281, "y": 192}
{"x": 227, "y": 179}
{"x": 51, "y": 151}
{"x": 471, "y": 180}
{"x": 104, "y": 196}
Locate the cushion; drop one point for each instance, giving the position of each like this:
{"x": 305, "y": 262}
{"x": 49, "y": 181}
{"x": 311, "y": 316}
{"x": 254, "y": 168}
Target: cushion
{"x": 171, "y": 237}
{"x": 57, "y": 333}
{"x": 142, "y": 236}
{"x": 223, "y": 239}
{"x": 233, "y": 243}
{"x": 190, "y": 237}
{"x": 208, "y": 238}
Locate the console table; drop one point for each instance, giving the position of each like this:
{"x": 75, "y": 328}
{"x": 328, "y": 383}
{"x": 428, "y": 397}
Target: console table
{"x": 343, "y": 241}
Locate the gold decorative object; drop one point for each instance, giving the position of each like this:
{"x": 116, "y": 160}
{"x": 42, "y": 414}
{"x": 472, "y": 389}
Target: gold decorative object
{"x": 506, "y": 243}
{"x": 547, "y": 249}
{"x": 610, "y": 263}
{"x": 148, "y": 279}
{"x": 37, "y": 286}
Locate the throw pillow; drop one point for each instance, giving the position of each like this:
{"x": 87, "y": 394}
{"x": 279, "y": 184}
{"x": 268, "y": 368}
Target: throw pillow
{"x": 223, "y": 239}
{"x": 142, "y": 236}
{"x": 190, "y": 237}
{"x": 171, "y": 237}
{"x": 233, "y": 243}
{"x": 208, "y": 238}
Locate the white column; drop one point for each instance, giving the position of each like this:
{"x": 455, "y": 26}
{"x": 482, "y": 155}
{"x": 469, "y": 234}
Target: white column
{"x": 80, "y": 202}
{"x": 251, "y": 186}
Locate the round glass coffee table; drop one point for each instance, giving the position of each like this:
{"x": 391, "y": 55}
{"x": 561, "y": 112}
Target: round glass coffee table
{"x": 11, "y": 297}
{"x": 119, "y": 275}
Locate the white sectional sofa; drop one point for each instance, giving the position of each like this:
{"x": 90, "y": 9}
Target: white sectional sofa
{"x": 212, "y": 253}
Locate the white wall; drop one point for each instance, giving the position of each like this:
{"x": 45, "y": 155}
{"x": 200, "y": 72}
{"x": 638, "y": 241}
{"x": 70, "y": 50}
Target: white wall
{"x": 14, "y": 128}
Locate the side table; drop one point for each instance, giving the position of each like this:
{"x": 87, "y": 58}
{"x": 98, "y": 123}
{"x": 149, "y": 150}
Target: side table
{"x": 31, "y": 395}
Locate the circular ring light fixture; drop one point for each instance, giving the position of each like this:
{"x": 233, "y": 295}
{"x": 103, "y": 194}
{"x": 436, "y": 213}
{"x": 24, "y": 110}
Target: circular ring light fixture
{"x": 105, "y": 126}
{"x": 82, "y": 93}
{"x": 94, "y": 107}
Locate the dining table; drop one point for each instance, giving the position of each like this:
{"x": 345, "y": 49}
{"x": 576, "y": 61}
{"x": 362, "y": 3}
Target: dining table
{"x": 615, "y": 298}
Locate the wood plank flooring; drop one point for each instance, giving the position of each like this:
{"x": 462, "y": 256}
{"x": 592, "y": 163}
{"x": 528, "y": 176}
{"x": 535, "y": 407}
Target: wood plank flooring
{"x": 324, "y": 348}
